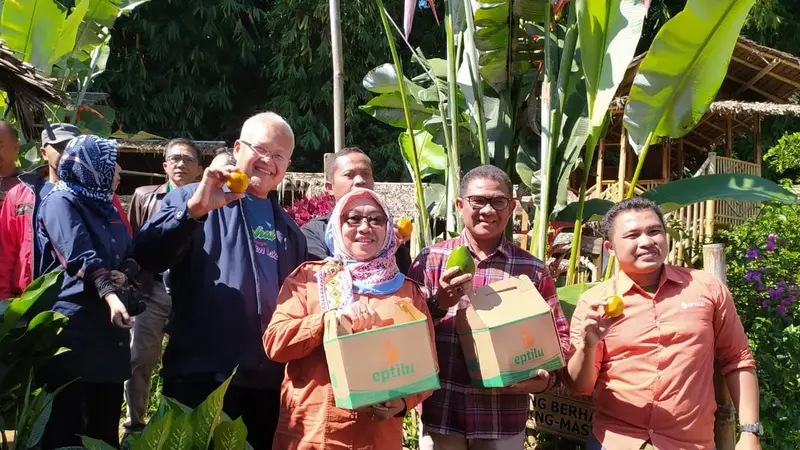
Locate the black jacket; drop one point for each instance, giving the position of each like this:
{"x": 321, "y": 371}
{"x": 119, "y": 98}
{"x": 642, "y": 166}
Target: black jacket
{"x": 314, "y": 230}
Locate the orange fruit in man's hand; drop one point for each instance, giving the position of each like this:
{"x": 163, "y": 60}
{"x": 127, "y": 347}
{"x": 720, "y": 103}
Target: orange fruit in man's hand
{"x": 405, "y": 227}
{"x": 614, "y": 306}
{"x": 238, "y": 182}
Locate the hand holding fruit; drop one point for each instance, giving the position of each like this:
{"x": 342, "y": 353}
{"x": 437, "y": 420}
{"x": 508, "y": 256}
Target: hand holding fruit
{"x": 599, "y": 317}
{"x": 456, "y": 280}
{"x": 210, "y": 195}
{"x": 403, "y": 228}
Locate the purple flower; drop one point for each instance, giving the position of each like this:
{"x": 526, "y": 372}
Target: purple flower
{"x": 775, "y": 293}
{"x": 772, "y": 237}
{"x": 782, "y": 309}
{"x": 753, "y": 253}
{"x": 765, "y": 304}
{"x": 791, "y": 299}
{"x": 760, "y": 286}
{"x": 783, "y": 284}
{"x": 752, "y": 275}
{"x": 770, "y": 246}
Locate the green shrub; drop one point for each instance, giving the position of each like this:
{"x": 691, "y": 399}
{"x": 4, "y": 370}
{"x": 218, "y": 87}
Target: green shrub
{"x": 762, "y": 269}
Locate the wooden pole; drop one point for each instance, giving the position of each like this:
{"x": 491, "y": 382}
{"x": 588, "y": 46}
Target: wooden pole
{"x": 724, "y": 435}
{"x": 680, "y": 158}
{"x": 600, "y": 161}
{"x": 710, "y": 204}
{"x": 623, "y": 162}
{"x": 338, "y": 76}
{"x": 666, "y": 151}
{"x": 728, "y": 135}
{"x": 757, "y": 139}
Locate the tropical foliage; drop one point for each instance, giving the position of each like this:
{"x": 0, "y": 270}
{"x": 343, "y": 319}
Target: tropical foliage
{"x": 28, "y": 336}
{"x": 559, "y": 71}
{"x": 762, "y": 275}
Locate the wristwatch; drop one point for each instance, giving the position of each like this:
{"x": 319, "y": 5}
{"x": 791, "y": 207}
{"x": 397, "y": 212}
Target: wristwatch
{"x": 754, "y": 428}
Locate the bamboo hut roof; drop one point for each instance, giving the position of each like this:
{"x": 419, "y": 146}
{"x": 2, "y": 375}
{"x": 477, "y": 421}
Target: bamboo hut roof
{"x": 207, "y": 148}
{"x": 28, "y": 91}
{"x": 760, "y": 82}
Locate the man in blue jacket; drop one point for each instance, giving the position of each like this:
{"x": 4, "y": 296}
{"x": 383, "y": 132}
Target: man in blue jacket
{"x": 228, "y": 255}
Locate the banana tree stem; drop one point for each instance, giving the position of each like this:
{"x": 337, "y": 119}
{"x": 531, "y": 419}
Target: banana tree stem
{"x": 420, "y": 194}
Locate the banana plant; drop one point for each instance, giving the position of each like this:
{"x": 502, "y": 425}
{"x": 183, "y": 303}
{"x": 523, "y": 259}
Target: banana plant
{"x": 681, "y": 75}
{"x": 609, "y": 31}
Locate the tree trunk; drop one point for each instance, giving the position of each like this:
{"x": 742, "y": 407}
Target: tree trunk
{"x": 338, "y": 75}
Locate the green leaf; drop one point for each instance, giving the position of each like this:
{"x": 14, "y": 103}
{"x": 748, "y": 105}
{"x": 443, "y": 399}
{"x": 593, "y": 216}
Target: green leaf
{"x": 95, "y": 444}
{"x": 37, "y": 289}
{"x": 729, "y": 186}
{"x": 383, "y": 80}
{"x": 69, "y": 31}
{"x": 682, "y": 72}
{"x": 593, "y": 211}
{"x": 180, "y": 435}
{"x": 505, "y": 50}
{"x": 388, "y": 108}
{"x": 677, "y": 194}
{"x": 230, "y": 435}
{"x": 609, "y": 33}
{"x": 432, "y": 156}
{"x": 31, "y": 28}
{"x": 155, "y": 435}
{"x": 568, "y": 296}
{"x": 206, "y": 416}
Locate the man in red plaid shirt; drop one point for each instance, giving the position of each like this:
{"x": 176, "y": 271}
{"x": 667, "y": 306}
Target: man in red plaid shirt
{"x": 459, "y": 416}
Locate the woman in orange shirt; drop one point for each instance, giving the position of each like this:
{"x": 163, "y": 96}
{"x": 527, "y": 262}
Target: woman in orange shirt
{"x": 361, "y": 273}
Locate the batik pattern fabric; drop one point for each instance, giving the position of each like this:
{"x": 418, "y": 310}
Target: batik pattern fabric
{"x": 87, "y": 168}
{"x": 342, "y": 276}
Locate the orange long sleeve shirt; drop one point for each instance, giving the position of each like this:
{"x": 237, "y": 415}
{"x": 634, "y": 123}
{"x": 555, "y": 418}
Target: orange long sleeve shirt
{"x": 309, "y": 418}
{"x": 655, "y": 367}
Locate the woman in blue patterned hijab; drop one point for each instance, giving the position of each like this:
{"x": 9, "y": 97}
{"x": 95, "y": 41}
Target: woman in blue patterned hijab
{"x": 82, "y": 231}
{"x": 87, "y": 169}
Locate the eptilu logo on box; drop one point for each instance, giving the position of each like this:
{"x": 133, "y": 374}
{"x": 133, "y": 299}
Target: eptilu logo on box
{"x": 394, "y": 369}
{"x": 530, "y": 352}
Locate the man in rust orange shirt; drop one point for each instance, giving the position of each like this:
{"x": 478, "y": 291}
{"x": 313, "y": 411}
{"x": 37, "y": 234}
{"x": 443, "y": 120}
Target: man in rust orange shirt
{"x": 651, "y": 369}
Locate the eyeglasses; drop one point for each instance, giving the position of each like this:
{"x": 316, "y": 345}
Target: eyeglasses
{"x": 175, "y": 159}
{"x": 277, "y": 158}
{"x": 374, "y": 221}
{"x": 498, "y": 203}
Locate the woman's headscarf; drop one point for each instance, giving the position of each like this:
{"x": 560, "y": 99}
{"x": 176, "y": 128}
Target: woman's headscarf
{"x": 342, "y": 276}
{"x": 87, "y": 168}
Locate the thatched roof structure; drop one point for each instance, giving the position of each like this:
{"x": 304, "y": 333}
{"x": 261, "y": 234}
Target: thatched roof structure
{"x": 760, "y": 82}
{"x": 156, "y": 146}
{"x": 28, "y": 91}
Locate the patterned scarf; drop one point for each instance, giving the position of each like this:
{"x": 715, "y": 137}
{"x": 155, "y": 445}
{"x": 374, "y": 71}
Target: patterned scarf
{"x": 342, "y": 276}
{"x": 87, "y": 169}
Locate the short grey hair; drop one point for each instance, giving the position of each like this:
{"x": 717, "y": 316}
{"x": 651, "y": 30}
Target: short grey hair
{"x": 184, "y": 142}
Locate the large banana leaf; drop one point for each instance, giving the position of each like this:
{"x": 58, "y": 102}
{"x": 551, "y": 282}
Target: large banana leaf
{"x": 383, "y": 80}
{"x": 505, "y": 50}
{"x": 677, "y": 194}
{"x": 97, "y": 24}
{"x": 609, "y": 33}
{"x": 568, "y": 296}
{"x": 32, "y": 28}
{"x": 682, "y": 72}
{"x": 388, "y": 108}
{"x": 432, "y": 156}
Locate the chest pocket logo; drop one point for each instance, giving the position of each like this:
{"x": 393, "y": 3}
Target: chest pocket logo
{"x": 692, "y": 305}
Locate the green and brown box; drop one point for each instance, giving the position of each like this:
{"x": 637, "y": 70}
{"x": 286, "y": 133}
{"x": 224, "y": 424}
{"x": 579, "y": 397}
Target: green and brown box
{"x": 381, "y": 364}
{"x": 508, "y": 333}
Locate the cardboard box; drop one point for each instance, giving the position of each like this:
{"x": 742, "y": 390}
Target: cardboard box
{"x": 381, "y": 364}
{"x": 508, "y": 333}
